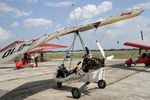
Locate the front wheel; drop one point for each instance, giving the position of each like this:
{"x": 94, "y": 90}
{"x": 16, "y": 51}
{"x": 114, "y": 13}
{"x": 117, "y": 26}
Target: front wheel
{"x": 76, "y": 93}
{"x": 101, "y": 84}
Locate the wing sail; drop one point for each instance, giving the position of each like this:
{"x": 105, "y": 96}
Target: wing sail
{"x": 137, "y": 45}
{"x": 12, "y": 52}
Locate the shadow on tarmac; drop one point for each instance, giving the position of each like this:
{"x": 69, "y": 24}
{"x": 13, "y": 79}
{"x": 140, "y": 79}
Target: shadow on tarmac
{"x": 32, "y": 88}
{"x": 6, "y": 67}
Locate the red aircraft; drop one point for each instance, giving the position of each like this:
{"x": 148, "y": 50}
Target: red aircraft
{"x": 142, "y": 58}
{"x": 24, "y": 62}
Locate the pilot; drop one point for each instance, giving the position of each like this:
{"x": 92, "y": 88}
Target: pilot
{"x": 148, "y": 55}
{"x": 36, "y": 56}
{"x": 25, "y": 59}
{"x": 62, "y": 71}
{"x": 144, "y": 55}
{"x": 87, "y": 62}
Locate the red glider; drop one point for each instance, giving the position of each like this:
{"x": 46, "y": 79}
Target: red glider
{"x": 143, "y": 58}
{"x": 44, "y": 46}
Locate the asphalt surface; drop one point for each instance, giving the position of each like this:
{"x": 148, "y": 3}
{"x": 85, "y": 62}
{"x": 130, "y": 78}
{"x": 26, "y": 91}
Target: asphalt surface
{"x": 123, "y": 83}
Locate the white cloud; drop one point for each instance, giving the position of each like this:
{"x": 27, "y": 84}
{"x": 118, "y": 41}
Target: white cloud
{"x": 4, "y": 8}
{"x": 15, "y": 24}
{"x": 78, "y": 13}
{"x": 59, "y": 4}
{"x": 37, "y": 22}
{"x": 129, "y": 30}
{"x": 4, "y": 34}
{"x": 145, "y": 5}
{"x": 105, "y": 6}
{"x": 89, "y": 10}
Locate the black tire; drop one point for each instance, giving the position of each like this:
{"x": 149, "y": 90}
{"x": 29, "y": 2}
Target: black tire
{"x": 101, "y": 84}
{"x": 128, "y": 65}
{"x": 59, "y": 84}
{"x": 147, "y": 64}
{"x": 76, "y": 93}
{"x": 18, "y": 68}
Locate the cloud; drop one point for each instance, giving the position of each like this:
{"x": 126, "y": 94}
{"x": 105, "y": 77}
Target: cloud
{"x": 4, "y": 8}
{"x": 37, "y": 22}
{"x": 89, "y": 10}
{"x": 15, "y": 24}
{"x": 128, "y": 30}
{"x": 4, "y": 34}
{"x": 59, "y": 4}
{"x": 145, "y": 5}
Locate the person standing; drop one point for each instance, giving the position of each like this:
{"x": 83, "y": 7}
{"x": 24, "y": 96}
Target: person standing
{"x": 25, "y": 59}
{"x": 36, "y": 59}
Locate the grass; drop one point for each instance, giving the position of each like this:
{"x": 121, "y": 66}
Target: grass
{"x": 119, "y": 54}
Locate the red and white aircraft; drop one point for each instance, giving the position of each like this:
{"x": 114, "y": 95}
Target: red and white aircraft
{"x": 142, "y": 58}
{"x": 41, "y": 47}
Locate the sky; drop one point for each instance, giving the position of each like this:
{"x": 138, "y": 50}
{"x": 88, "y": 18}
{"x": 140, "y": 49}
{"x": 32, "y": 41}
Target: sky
{"x": 28, "y": 19}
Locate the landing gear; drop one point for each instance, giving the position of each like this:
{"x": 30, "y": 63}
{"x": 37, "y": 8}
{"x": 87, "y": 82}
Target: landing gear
{"x": 101, "y": 84}
{"x": 147, "y": 64}
{"x": 76, "y": 93}
{"x": 129, "y": 65}
{"x": 59, "y": 84}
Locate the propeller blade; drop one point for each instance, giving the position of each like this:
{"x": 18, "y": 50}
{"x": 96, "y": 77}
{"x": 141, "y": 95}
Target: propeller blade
{"x": 100, "y": 48}
{"x": 110, "y": 57}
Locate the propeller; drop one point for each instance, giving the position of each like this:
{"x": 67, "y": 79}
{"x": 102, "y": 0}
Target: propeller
{"x": 100, "y": 48}
{"x": 110, "y": 57}
{"x": 102, "y": 51}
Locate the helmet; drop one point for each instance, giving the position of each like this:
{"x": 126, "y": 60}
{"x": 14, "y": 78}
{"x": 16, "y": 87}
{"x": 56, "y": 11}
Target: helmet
{"x": 90, "y": 55}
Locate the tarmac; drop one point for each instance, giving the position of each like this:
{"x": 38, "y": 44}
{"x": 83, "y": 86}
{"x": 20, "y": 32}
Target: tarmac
{"x": 123, "y": 83}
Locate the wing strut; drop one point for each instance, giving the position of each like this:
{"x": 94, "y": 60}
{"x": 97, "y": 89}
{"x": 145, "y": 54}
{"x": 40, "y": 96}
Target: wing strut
{"x": 69, "y": 53}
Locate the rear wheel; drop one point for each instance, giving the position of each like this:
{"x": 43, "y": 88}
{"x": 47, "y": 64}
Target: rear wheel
{"x": 101, "y": 84}
{"x": 76, "y": 93}
{"x": 59, "y": 84}
{"x": 147, "y": 64}
{"x": 129, "y": 65}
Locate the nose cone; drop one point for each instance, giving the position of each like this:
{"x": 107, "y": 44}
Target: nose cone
{"x": 141, "y": 10}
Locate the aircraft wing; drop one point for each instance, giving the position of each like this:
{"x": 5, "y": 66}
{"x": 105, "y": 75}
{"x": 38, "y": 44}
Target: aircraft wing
{"x": 11, "y": 45}
{"x": 50, "y": 45}
{"x": 12, "y": 52}
{"x": 137, "y": 45}
{"x": 46, "y": 46}
{"x": 39, "y": 49}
